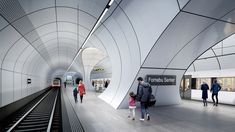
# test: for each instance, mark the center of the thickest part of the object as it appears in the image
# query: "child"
(132, 105)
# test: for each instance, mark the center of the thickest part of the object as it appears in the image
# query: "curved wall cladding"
(40, 39)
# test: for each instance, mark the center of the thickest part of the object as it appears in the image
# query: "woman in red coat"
(81, 90)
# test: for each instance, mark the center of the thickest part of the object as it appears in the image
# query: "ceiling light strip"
(89, 35)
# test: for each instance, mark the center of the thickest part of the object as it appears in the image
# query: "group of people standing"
(215, 88)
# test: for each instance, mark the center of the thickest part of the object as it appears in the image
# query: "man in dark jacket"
(144, 92)
(215, 88)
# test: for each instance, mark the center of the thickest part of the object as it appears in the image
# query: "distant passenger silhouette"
(204, 88)
(215, 88)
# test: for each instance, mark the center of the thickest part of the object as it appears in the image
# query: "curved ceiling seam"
(49, 33)
(210, 17)
(96, 30)
(17, 72)
(51, 8)
(135, 34)
(178, 4)
(196, 37)
(8, 50)
(53, 23)
(44, 43)
(36, 65)
(121, 29)
(18, 57)
(216, 58)
(12, 47)
(64, 22)
(155, 43)
(35, 12)
(67, 31)
(185, 5)
(205, 52)
(150, 51)
(120, 57)
(23, 37)
(58, 45)
(26, 60)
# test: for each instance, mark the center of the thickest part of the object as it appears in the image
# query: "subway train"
(56, 83)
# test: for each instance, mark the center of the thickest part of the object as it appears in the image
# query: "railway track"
(43, 115)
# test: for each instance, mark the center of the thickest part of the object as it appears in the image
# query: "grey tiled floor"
(190, 116)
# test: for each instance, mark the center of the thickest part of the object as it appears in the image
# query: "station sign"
(161, 79)
(98, 69)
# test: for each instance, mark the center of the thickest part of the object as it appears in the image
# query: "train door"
(185, 87)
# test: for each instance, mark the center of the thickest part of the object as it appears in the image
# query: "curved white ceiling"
(40, 38)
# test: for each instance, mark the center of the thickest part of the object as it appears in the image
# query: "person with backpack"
(144, 92)
(215, 88)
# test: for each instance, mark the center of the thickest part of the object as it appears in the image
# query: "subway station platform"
(190, 116)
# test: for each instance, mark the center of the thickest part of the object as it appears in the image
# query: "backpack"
(152, 100)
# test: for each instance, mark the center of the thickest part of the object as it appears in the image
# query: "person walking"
(144, 92)
(81, 90)
(215, 88)
(75, 93)
(132, 105)
(204, 88)
(64, 84)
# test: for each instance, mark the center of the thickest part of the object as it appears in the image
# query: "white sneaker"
(141, 119)
(148, 117)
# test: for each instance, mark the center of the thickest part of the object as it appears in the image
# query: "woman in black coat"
(204, 88)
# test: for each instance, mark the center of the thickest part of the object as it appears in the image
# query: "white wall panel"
(6, 43)
(210, 8)
(149, 27)
(208, 53)
(28, 62)
(70, 27)
(182, 3)
(22, 58)
(3, 23)
(94, 7)
(67, 14)
(228, 50)
(33, 5)
(227, 62)
(24, 85)
(206, 64)
(13, 53)
(43, 30)
(127, 65)
(181, 31)
(7, 87)
(113, 52)
(205, 40)
(17, 86)
(42, 17)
